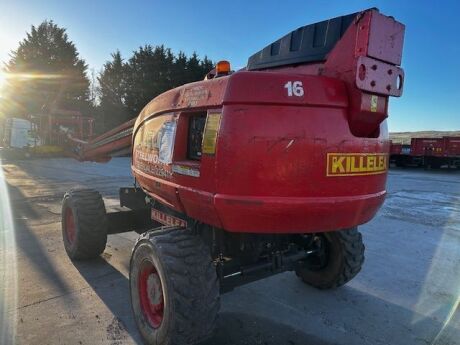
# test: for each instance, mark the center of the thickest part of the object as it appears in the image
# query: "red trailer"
(428, 147)
(427, 152)
(251, 173)
(452, 146)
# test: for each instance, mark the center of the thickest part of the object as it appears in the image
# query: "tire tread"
(352, 252)
(90, 213)
(187, 262)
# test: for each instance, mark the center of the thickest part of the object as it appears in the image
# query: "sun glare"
(2, 79)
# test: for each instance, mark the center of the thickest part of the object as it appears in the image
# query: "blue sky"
(233, 30)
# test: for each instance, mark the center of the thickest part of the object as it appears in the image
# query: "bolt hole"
(399, 82)
(374, 67)
(373, 83)
(389, 87)
(362, 72)
(390, 71)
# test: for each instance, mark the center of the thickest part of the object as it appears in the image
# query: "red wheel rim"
(151, 294)
(70, 226)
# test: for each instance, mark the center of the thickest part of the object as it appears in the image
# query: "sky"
(234, 30)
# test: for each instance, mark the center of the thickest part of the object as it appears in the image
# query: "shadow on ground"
(245, 329)
(112, 287)
(28, 241)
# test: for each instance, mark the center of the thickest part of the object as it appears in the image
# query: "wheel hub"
(318, 253)
(151, 295)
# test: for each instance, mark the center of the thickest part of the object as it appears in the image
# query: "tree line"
(46, 74)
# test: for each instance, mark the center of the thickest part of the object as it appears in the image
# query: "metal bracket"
(379, 77)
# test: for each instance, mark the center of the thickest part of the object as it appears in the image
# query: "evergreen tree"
(193, 71)
(112, 94)
(46, 73)
(149, 74)
(154, 70)
(126, 87)
(206, 65)
(179, 69)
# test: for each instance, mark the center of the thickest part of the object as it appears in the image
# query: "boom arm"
(113, 143)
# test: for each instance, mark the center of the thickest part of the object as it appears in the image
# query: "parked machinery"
(427, 152)
(250, 173)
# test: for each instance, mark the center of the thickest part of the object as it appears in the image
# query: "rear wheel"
(337, 259)
(84, 224)
(174, 287)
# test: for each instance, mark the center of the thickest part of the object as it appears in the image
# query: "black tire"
(342, 256)
(86, 209)
(190, 289)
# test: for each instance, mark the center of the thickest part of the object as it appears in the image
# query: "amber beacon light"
(223, 67)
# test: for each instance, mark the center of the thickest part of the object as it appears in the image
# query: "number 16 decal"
(294, 88)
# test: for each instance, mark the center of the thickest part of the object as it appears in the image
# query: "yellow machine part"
(47, 149)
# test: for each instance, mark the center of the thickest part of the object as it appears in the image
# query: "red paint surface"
(269, 172)
(368, 39)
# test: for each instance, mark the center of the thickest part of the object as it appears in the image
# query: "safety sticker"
(165, 138)
(374, 103)
(210, 133)
(192, 96)
(185, 170)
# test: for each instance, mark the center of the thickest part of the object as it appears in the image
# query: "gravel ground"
(407, 293)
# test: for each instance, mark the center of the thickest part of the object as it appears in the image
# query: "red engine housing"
(291, 149)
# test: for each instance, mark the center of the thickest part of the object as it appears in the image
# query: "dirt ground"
(407, 293)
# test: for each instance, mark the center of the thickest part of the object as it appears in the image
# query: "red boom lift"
(250, 173)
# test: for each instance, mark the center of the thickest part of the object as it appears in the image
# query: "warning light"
(223, 67)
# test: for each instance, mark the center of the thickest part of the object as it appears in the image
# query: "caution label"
(352, 164)
(210, 133)
(374, 103)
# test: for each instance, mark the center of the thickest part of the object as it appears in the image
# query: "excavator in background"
(247, 174)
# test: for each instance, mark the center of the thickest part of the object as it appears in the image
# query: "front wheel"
(174, 287)
(337, 258)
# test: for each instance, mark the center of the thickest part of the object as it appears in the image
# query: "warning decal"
(374, 103)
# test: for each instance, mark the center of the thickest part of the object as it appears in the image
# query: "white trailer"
(19, 134)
